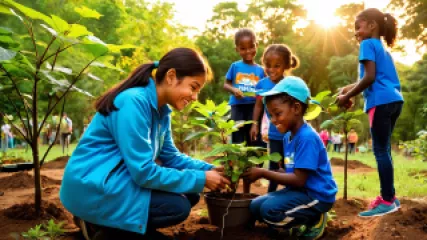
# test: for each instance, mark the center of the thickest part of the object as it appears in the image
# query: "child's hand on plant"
(253, 174)
(344, 101)
(237, 93)
(215, 181)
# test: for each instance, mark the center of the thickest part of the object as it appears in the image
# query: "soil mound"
(351, 164)
(27, 211)
(58, 163)
(24, 180)
(410, 223)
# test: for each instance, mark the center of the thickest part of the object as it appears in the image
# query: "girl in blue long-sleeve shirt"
(113, 180)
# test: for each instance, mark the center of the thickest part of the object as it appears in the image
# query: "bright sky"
(201, 11)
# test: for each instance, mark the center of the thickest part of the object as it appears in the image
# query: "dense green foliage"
(328, 56)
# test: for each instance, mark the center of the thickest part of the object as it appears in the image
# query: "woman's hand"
(215, 180)
(253, 174)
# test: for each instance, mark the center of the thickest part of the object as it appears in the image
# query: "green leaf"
(51, 30)
(6, 54)
(235, 176)
(5, 10)
(313, 111)
(6, 39)
(275, 157)
(29, 12)
(195, 135)
(87, 12)
(5, 31)
(327, 124)
(77, 30)
(59, 24)
(219, 161)
(116, 48)
(95, 46)
(320, 96)
(255, 160)
(358, 112)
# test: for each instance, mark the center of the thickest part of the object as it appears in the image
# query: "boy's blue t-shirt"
(386, 87)
(244, 77)
(265, 85)
(306, 151)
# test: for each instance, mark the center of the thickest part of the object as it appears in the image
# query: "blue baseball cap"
(293, 86)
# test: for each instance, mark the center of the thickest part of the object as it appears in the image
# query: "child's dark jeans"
(244, 112)
(383, 123)
(288, 208)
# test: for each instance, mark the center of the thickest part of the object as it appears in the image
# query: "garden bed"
(351, 164)
(409, 223)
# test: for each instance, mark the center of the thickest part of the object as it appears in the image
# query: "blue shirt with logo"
(386, 87)
(265, 85)
(306, 151)
(244, 77)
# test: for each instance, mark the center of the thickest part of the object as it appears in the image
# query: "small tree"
(343, 122)
(26, 74)
(236, 158)
(182, 127)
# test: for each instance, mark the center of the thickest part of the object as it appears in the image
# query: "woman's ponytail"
(140, 77)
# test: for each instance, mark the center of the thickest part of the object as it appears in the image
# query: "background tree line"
(328, 56)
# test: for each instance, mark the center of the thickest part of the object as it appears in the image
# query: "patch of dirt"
(415, 173)
(24, 180)
(27, 211)
(351, 164)
(408, 223)
(58, 163)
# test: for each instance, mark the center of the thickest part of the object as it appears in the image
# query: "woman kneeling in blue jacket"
(126, 174)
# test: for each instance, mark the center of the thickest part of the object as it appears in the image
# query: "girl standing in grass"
(278, 61)
(380, 85)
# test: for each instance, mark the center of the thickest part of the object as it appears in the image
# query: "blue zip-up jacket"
(109, 177)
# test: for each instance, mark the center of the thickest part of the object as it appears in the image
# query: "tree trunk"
(345, 161)
(35, 149)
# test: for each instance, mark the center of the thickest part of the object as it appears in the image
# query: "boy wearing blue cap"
(310, 188)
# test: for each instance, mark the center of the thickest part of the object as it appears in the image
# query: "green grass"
(367, 185)
(55, 152)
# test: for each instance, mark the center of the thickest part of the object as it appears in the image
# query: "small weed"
(34, 233)
(203, 213)
(53, 229)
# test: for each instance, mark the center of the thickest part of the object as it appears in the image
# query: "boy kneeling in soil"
(310, 188)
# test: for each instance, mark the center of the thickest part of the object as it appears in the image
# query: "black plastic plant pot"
(25, 166)
(16, 167)
(238, 212)
(9, 168)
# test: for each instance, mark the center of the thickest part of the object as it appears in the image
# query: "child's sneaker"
(396, 202)
(316, 232)
(379, 207)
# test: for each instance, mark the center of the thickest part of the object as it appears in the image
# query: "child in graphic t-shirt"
(310, 188)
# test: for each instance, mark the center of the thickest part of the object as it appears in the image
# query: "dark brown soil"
(351, 164)
(24, 180)
(27, 211)
(58, 163)
(409, 223)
